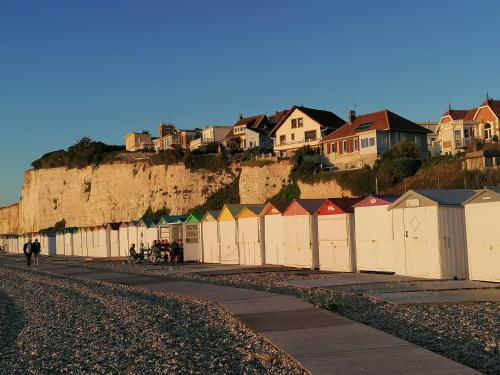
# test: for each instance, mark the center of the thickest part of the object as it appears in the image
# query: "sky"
(101, 69)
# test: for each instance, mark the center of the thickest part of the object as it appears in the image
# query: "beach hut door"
(415, 241)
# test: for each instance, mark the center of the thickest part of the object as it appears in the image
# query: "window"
(367, 142)
(356, 144)
(344, 147)
(310, 135)
(487, 131)
(458, 134)
(466, 133)
(282, 139)
(297, 122)
(293, 136)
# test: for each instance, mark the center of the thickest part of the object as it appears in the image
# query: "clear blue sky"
(103, 68)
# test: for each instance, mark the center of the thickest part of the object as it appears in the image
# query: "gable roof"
(345, 204)
(259, 123)
(381, 120)
(256, 209)
(494, 106)
(277, 116)
(233, 208)
(194, 217)
(213, 213)
(113, 226)
(444, 197)
(272, 207)
(377, 200)
(488, 194)
(172, 219)
(309, 205)
(326, 119)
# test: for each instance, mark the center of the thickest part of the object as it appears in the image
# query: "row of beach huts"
(441, 234)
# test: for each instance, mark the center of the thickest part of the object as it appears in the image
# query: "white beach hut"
(193, 238)
(60, 241)
(90, 241)
(152, 232)
(77, 242)
(210, 235)
(300, 232)
(103, 249)
(142, 228)
(336, 235)
(113, 239)
(228, 233)
(251, 235)
(48, 243)
(68, 240)
(132, 235)
(124, 244)
(482, 215)
(374, 234)
(429, 233)
(274, 245)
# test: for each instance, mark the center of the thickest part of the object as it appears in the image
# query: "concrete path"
(323, 342)
(444, 296)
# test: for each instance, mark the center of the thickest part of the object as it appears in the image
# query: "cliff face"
(9, 219)
(111, 193)
(123, 192)
(257, 184)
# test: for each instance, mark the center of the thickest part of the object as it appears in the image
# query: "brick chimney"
(351, 115)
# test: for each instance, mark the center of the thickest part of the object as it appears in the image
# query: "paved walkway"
(323, 342)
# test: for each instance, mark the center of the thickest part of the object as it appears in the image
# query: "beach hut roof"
(172, 219)
(113, 226)
(133, 223)
(310, 206)
(234, 209)
(71, 230)
(194, 217)
(252, 209)
(124, 224)
(338, 206)
(377, 200)
(142, 223)
(211, 213)
(488, 194)
(153, 223)
(444, 197)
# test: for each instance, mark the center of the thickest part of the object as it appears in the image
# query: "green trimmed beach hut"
(192, 238)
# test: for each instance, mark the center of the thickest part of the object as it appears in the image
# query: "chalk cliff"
(123, 192)
(9, 219)
(111, 193)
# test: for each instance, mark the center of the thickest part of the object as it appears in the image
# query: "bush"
(360, 182)
(210, 162)
(287, 193)
(256, 163)
(166, 157)
(83, 153)
(61, 224)
(252, 152)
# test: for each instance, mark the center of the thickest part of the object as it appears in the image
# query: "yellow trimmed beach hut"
(251, 235)
(228, 233)
(210, 236)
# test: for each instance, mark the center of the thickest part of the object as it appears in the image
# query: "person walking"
(36, 249)
(27, 252)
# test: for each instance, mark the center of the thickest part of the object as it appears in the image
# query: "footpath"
(322, 341)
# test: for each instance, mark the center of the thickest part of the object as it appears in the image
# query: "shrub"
(61, 224)
(83, 153)
(360, 182)
(256, 163)
(211, 162)
(166, 157)
(252, 152)
(287, 193)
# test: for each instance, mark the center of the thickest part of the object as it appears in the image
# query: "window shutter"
(328, 148)
(349, 145)
(339, 147)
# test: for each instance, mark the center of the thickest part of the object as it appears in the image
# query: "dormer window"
(297, 122)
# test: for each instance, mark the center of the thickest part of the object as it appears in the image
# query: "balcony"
(296, 143)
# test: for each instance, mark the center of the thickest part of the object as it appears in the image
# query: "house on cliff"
(249, 132)
(302, 126)
(364, 138)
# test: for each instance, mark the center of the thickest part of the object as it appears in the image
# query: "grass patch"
(256, 163)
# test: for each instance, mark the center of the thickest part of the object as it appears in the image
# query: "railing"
(296, 142)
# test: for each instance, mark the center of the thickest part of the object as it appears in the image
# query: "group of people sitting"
(170, 252)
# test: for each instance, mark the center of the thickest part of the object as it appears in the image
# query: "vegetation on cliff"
(83, 153)
(227, 194)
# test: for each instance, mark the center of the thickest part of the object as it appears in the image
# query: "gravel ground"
(57, 325)
(468, 333)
